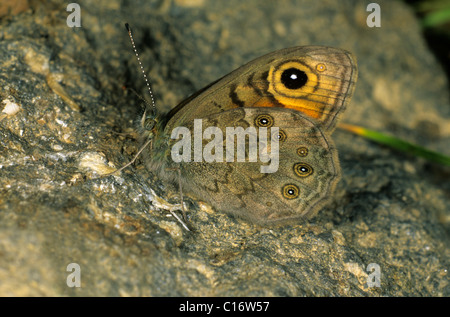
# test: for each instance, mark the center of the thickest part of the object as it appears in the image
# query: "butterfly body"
(300, 92)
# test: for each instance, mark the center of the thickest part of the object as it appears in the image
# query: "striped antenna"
(153, 105)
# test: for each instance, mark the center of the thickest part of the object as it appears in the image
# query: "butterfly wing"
(315, 80)
(307, 173)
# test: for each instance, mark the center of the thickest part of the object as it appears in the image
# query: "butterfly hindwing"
(307, 170)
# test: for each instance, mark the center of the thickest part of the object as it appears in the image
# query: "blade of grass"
(433, 19)
(397, 144)
(436, 12)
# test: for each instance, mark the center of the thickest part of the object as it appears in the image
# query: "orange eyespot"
(321, 67)
(264, 121)
(302, 151)
(281, 136)
(290, 191)
(303, 169)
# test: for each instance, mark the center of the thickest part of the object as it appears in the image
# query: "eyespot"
(321, 67)
(281, 136)
(264, 120)
(294, 78)
(302, 151)
(290, 191)
(303, 169)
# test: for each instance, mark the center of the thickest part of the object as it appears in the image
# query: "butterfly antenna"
(153, 105)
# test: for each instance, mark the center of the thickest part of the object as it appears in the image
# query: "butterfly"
(297, 94)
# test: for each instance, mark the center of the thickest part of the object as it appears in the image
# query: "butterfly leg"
(181, 195)
(149, 141)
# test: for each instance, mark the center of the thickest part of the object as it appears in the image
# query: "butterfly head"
(148, 124)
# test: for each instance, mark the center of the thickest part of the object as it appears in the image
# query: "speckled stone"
(68, 117)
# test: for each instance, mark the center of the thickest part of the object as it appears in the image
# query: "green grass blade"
(436, 18)
(397, 144)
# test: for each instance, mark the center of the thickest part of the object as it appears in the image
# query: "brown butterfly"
(297, 92)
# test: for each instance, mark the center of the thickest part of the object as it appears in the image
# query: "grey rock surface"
(65, 117)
